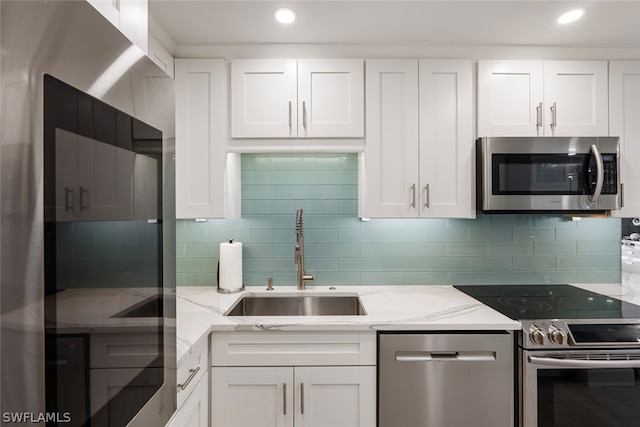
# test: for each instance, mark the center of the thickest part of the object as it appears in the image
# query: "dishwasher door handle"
(434, 356)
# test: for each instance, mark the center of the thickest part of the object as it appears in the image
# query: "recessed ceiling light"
(572, 15)
(285, 15)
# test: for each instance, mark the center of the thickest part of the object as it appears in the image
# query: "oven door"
(599, 388)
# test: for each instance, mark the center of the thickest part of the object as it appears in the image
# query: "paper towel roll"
(230, 268)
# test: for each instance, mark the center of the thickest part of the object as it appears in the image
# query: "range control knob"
(557, 335)
(537, 335)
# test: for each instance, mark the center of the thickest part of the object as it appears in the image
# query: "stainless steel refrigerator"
(71, 42)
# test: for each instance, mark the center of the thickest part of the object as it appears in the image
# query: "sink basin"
(303, 305)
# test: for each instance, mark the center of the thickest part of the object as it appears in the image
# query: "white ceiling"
(418, 22)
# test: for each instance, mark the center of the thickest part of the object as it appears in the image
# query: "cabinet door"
(195, 411)
(624, 96)
(330, 98)
(252, 397)
(391, 152)
(510, 97)
(201, 150)
(134, 21)
(263, 98)
(129, 16)
(105, 181)
(447, 155)
(575, 98)
(339, 396)
(109, 9)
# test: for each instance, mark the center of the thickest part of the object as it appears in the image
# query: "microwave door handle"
(600, 175)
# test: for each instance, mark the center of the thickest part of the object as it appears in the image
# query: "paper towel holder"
(226, 291)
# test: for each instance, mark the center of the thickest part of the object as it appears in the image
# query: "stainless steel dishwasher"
(445, 379)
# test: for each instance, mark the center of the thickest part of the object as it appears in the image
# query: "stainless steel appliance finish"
(299, 252)
(447, 379)
(560, 174)
(578, 354)
(587, 388)
(298, 306)
(74, 43)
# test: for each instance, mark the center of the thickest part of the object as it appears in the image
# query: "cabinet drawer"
(192, 369)
(293, 348)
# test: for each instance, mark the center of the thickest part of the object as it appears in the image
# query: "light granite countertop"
(200, 310)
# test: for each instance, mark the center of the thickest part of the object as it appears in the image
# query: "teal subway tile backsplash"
(341, 249)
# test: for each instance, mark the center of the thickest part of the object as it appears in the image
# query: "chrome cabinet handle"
(192, 374)
(426, 196)
(553, 115)
(539, 115)
(413, 196)
(68, 196)
(83, 191)
(290, 123)
(622, 195)
(284, 398)
(302, 398)
(304, 115)
(600, 174)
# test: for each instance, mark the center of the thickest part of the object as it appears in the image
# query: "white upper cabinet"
(391, 152)
(542, 98)
(202, 166)
(576, 98)
(131, 17)
(330, 98)
(509, 98)
(624, 97)
(288, 98)
(447, 146)
(264, 98)
(418, 159)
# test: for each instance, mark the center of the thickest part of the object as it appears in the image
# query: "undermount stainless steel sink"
(303, 305)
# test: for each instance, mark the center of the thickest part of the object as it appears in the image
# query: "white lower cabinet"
(193, 388)
(330, 396)
(268, 379)
(195, 410)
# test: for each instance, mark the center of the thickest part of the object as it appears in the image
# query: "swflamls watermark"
(36, 417)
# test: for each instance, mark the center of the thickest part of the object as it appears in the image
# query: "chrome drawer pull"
(284, 398)
(192, 374)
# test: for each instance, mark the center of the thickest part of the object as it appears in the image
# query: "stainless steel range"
(578, 354)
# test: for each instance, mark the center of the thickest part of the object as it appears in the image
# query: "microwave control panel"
(610, 184)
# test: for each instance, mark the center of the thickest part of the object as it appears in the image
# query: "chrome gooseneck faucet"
(299, 252)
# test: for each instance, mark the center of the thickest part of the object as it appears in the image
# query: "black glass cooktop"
(528, 302)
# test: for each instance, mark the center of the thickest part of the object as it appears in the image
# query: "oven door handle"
(599, 171)
(577, 363)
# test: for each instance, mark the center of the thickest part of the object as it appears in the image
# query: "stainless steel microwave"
(548, 174)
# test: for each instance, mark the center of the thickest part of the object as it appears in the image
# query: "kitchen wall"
(342, 249)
